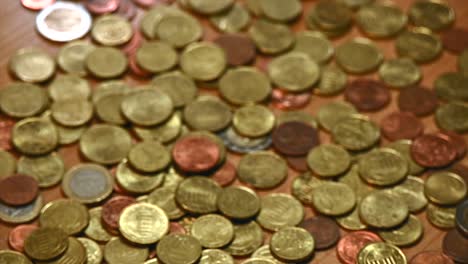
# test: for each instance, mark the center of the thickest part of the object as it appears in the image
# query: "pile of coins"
(166, 172)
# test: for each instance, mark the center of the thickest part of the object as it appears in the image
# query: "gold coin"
(118, 251)
(13, 257)
(46, 243)
(330, 114)
(412, 192)
(247, 238)
(179, 249)
(353, 179)
(48, 169)
(435, 15)
(404, 147)
(233, 20)
(303, 187)
(292, 244)
(72, 113)
(253, 120)
(438, 183)
(151, 19)
(355, 132)
(330, 15)
(294, 71)
(212, 230)
(279, 210)
(95, 230)
(198, 195)
(244, 85)
(380, 251)
(105, 144)
(271, 37)
(32, 65)
(34, 136)
(382, 209)
(262, 169)
(7, 164)
(381, 20)
(72, 56)
(463, 62)
(441, 217)
(359, 56)
(298, 116)
(178, 86)
(333, 198)
(280, 10)
(149, 156)
(164, 197)
(418, 44)
(69, 215)
(75, 253)
(215, 256)
(108, 108)
(264, 252)
(178, 29)
(328, 160)
(452, 117)
(406, 234)
(315, 44)
(164, 133)
(451, 86)
(203, 61)
(20, 214)
(111, 30)
(332, 81)
(93, 251)
(400, 72)
(68, 135)
(21, 100)
(156, 56)
(383, 167)
(106, 88)
(238, 202)
(106, 62)
(69, 87)
(254, 7)
(143, 223)
(210, 6)
(211, 115)
(351, 221)
(135, 182)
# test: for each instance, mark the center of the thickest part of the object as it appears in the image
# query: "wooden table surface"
(17, 30)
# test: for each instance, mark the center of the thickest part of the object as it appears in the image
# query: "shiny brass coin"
(152, 17)
(244, 85)
(178, 86)
(382, 209)
(164, 197)
(69, 87)
(213, 231)
(108, 108)
(279, 10)
(203, 61)
(72, 56)
(436, 186)
(21, 100)
(418, 44)
(298, 116)
(279, 210)
(381, 20)
(32, 65)
(69, 215)
(328, 160)
(358, 56)
(253, 120)
(271, 37)
(46, 243)
(332, 81)
(198, 195)
(118, 251)
(238, 202)
(450, 86)
(105, 144)
(156, 56)
(179, 249)
(355, 132)
(135, 182)
(435, 15)
(75, 253)
(262, 169)
(330, 114)
(72, 113)
(7, 164)
(400, 72)
(383, 167)
(403, 147)
(93, 251)
(412, 192)
(95, 229)
(111, 30)
(247, 238)
(463, 62)
(106, 62)
(211, 115)
(264, 252)
(143, 223)
(34, 136)
(452, 117)
(149, 156)
(315, 44)
(381, 252)
(294, 71)
(292, 244)
(164, 133)
(333, 198)
(106, 88)
(233, 20)
(303, 187)
(178, 29)
(441, 217)
(10, 256)
(208, 7)
(406, 234)
(20, 214)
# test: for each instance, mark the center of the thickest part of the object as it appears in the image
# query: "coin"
(210, 256)
(164, 197)
(356, 132)
(298, 163)
(46, 243)
(406, 234)
(156, 57)
(63, 22)
(253, 120)
(383, 167)
(20, 214)
(303, 187)
(136, 182)
(149, 156)
(315, 45)
(118, 251)
(329, 114)
(127, 9)
(232, 20)
(37, 4)
(351, 244)
(240, 144)
(111, 30)
(203, 61)
(244, 85)
(18, 235)
(262, 169)
(218, 112)
(238, 202)
(295, 138)
(333, 198)
(198, 195)
(264, 252)
(22, 100)
(102, 6)
(418, 44)
(95, 229)
(381, 20)
(247, 238)
(454, 245)
(431, 257)
(75, 251)
(168, 28)
(441, 217)
(457, 140)
(10, 256)
(292, 244)
(462, 217)
(431, 14)
(383, 209)
(358, 56)
(280, 210)
(401, 125)
(112, 209)
(69, 215)
(225, 175)
(106, 62)
(438, 195)
(18, 190)
(328, 160)
(93, 251)
(367, 94)
(324, 230)
(432, 151)
(70, 86)
(32, 65)
(426, 100)
(401, 72)
(451, 117)
(381, 251)
(212, 230)
(412, 192)
(34, 136)
(207, 154)
(6, 126)
(72, 113)
(271, 37)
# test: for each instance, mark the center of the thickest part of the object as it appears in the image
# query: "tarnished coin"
(239, 49)
(18, 190)
(179, 249)
(401, 125)
(367, 94)
(35, 136)
(324, 230)
(432, 151)
(196, 153)
(417, 100)
(295, 138)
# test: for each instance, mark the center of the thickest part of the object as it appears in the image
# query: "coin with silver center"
(240, 144)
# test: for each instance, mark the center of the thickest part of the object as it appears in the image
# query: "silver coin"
(240, 144)
(63, 22)
(20, 214)
(462, 217)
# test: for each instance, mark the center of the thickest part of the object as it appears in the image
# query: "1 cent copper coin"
(284, 100)
(102, 6)
(6, 126)
(239, 49)
(112, 209)
(298, 163)
(401, 125)
(349, 246)
(431, 257)
(226, 174)
(433, 151)
(36, 4)
(457, 140)
(176, 228)
(324, 230)
(294, 138)
(455, 39)
(417, 100)
(195, 154)
(455, 246)
(367, 95)
(18, 190)
(18, 234)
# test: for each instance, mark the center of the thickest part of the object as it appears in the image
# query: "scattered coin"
(432, 151)
(367, 95)
(351, 244)
(324, 230)
(18, 235)
(401, 125)
(18, 190)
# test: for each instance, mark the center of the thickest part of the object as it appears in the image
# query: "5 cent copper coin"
(239, 49)
(298, 163)
(457, 140)
(417, 100)
(294, 138)
(349, 246)
(18, 235)
(455, 246)
(226, 174)
(433, 151)
(18, 190)
(367, 95)
(195, 154)
(112, 209)
(401, 125)
(324, 230)
(431, 257)
(284, 100)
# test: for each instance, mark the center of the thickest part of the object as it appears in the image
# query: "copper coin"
(131, 47)
(6, 126)
(294, 138)
(195, 154)
(150, 3)
(349, 246)
(18, 190)
(112, 209)
(401, 125)
(176, 228)
(367, 95)
(239, 49)
(433, 151)
(458, 141)
(298, 163)
(289, 101)
(462, 218)
(455, 246)
(455, 39)
(136, 69)
(324, 230)
(431, 257)
(226, 174)
(127, 10)
(102, 6)
(18, 234)
(417, 100)
(36, 4)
